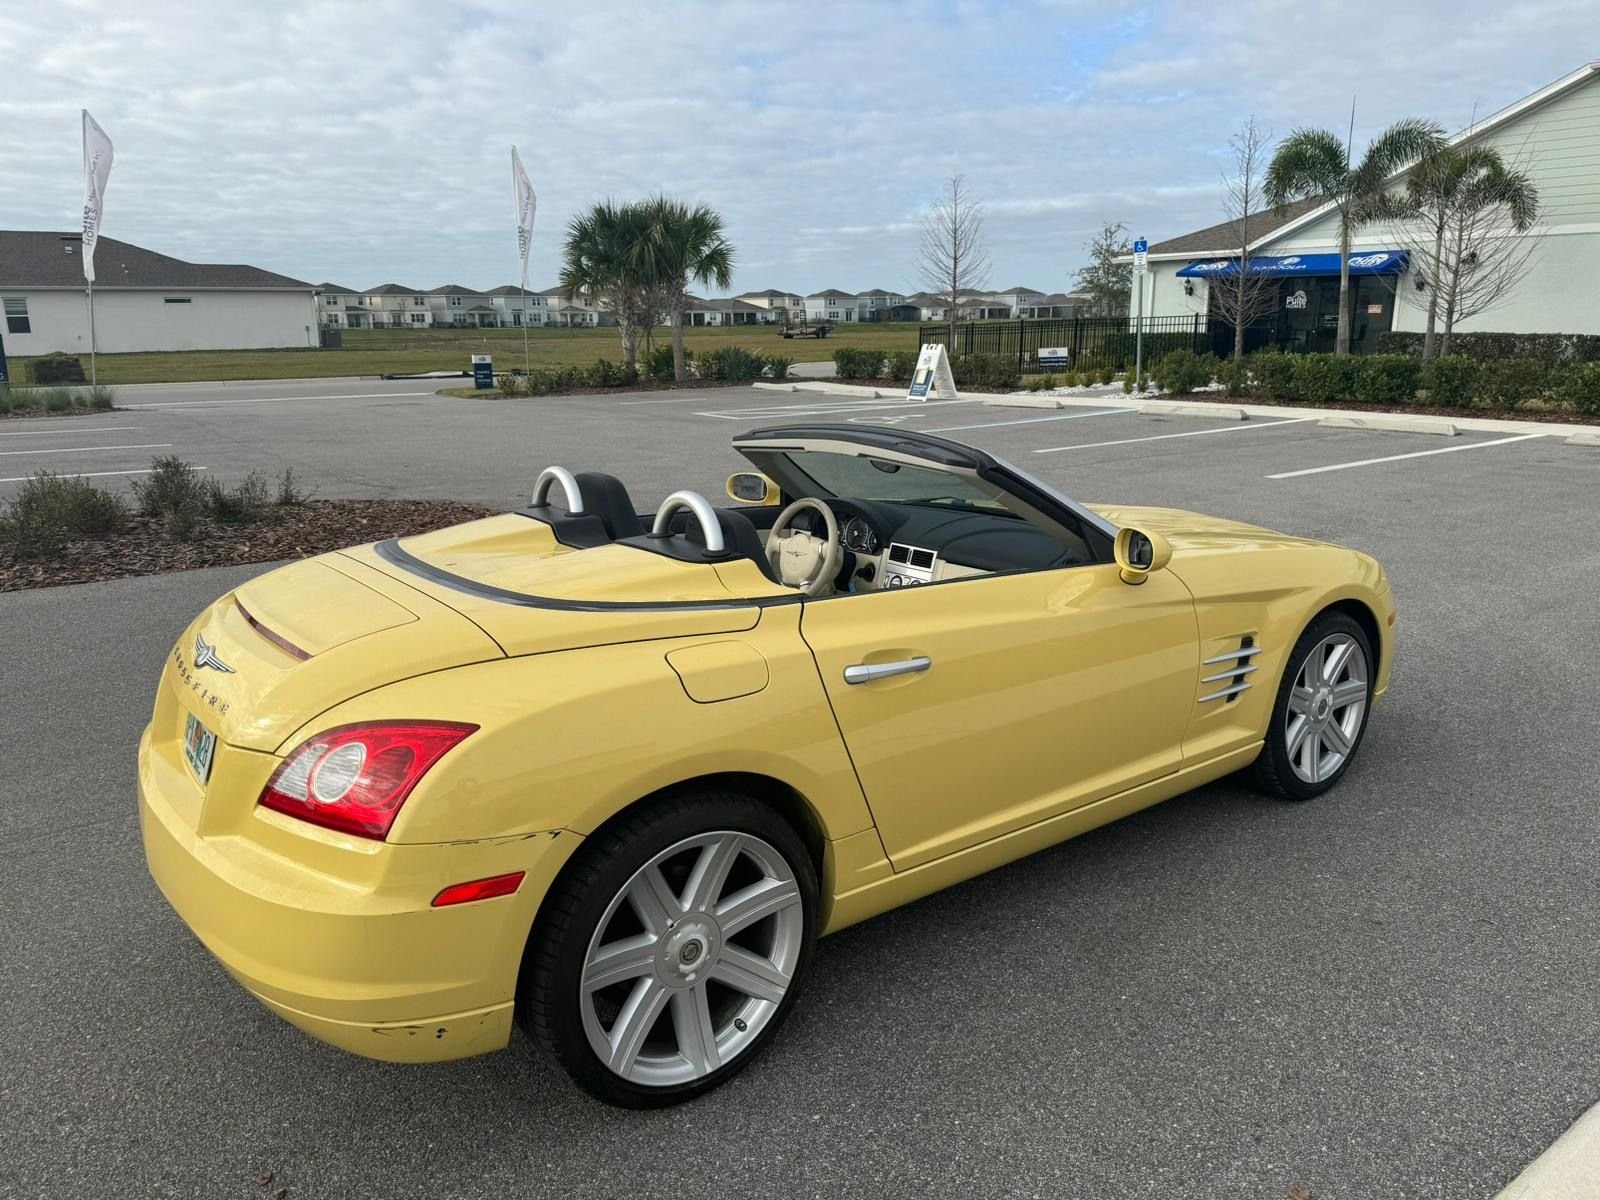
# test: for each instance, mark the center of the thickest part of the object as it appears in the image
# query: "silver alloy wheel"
(1326, 707)
(692, 958)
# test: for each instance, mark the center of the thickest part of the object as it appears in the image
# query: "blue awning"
(1364, 262)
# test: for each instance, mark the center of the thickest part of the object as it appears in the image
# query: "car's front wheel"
(1320, 714)
(672, 948)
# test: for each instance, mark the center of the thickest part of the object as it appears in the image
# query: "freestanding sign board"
(482, 371)
(932, 376)
(1054, 358)
(1141, 256)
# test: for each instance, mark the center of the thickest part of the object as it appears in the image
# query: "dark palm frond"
(1309, 162)
(1410, 140)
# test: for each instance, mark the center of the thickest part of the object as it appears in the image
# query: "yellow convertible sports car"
(609, 776)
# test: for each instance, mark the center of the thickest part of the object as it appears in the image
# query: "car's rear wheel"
(672, 949)
(1320, 714)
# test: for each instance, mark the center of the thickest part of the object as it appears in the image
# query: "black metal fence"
(1091, 343)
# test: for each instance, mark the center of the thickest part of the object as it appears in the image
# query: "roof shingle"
(47, 259)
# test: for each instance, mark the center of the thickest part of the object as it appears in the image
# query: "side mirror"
(1139, 553)
(747, 487)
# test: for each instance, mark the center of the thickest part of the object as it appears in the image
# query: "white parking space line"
(277, 399)
(1099, 412)
(1388, 458)
(1241, 427)
(88, 449)
(836, 409)
(60, 429)
(90, 474)
(675, 400)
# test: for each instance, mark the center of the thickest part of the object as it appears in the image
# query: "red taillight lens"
(480, 889)
(356, 777)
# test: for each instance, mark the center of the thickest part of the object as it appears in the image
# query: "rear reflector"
(356, 777)
(479, 889)
(277, 639)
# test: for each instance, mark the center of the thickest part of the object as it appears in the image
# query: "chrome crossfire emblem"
(205, 655)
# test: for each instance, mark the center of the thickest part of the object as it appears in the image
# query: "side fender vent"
(1224, 676)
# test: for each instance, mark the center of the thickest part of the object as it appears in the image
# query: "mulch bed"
(142, 546)
(23, 414)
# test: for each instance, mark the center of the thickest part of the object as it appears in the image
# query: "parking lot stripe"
(1388, 458)
(278, 399)
(1241, 427)
(1098, 412)
(73, 429)
(88, 449)
(89, 474)
(836, 409)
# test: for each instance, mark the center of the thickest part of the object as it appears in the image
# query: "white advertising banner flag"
(933, 376)
(96, 170)
(527, 202)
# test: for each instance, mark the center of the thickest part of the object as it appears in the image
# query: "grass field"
(403, 351)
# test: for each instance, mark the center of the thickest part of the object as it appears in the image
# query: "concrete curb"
(1567, 1170)
(1220, 412)
(1025, 402)
(1392, 424)
(1585, 437)
(778, 387)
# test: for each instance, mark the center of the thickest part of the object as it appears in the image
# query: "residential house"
(831, 305)
(395, 306)
(518, 308)
(580, 311)
(736, 312)
(142, 300)
(879, 304)
(462, 308)
(970, 306)
(1056, 304)
(341, 307)
(781, 307)
(1017, 298)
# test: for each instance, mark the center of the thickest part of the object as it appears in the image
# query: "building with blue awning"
(1552, 135)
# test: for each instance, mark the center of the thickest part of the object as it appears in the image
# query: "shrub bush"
(731, 364)
(1449, 380)
(858, 364)
(511, 385)
(241, 505)
(1552, 349)
(6, 401)
(1108, 376)
(56, 368)
(1234, 375)
(1324, 378)
(777, 365)
(1038, 383)
(50, 510)
(902, 365)
(1127, 384)
(57, 399)
(1387, 379)
(1120, 350)
(1180, 372)
(986, 372)
(1510, 383)
(172, 483)
(101, 397)
(1580, 388)
(605, 373)
(1271, 373)
(658, 363)
(289, 492)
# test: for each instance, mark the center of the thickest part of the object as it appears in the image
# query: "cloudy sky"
(367, 143)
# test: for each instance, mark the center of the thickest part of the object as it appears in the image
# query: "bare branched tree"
(953, 258)
(1470, 245)
(1246, 294)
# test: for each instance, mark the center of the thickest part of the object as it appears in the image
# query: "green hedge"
(1388, 379)
(986, 372)
(1551, 349)
(1182, 371)
(1119, 349)
(858, 364)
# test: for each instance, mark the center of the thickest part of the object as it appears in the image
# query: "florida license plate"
(199, 746)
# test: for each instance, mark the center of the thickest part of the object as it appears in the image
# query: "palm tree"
(1315, 163)
(1450, 190)
(684, 244)
(605, 256)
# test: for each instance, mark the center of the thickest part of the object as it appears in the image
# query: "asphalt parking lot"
(1393, 991)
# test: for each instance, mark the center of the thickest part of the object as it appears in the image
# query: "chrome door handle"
(867, 672)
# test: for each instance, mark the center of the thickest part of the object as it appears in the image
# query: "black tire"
(1272, 772)
(549, 1000)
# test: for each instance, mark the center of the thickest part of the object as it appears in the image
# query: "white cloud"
(366, 144)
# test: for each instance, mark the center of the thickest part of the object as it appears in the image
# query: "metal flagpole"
(94, 378)
(527, 366)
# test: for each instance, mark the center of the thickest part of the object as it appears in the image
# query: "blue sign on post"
(482, 371)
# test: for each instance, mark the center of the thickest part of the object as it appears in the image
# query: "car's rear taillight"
(356, 777)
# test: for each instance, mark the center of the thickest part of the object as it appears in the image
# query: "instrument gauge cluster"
(857, 536)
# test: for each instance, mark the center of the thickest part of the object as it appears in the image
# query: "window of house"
(459, 319)
(175, 299)
(330, 300)
(455, 301)
(516, 318)
(419, 318)
(419, 301)
(16, 309)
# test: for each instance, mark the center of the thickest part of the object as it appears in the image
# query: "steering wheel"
(803, 560)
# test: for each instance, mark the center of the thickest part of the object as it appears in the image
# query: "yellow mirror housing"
(1140, 552)
(749, 487)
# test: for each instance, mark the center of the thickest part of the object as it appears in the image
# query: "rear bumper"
(350, 949)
